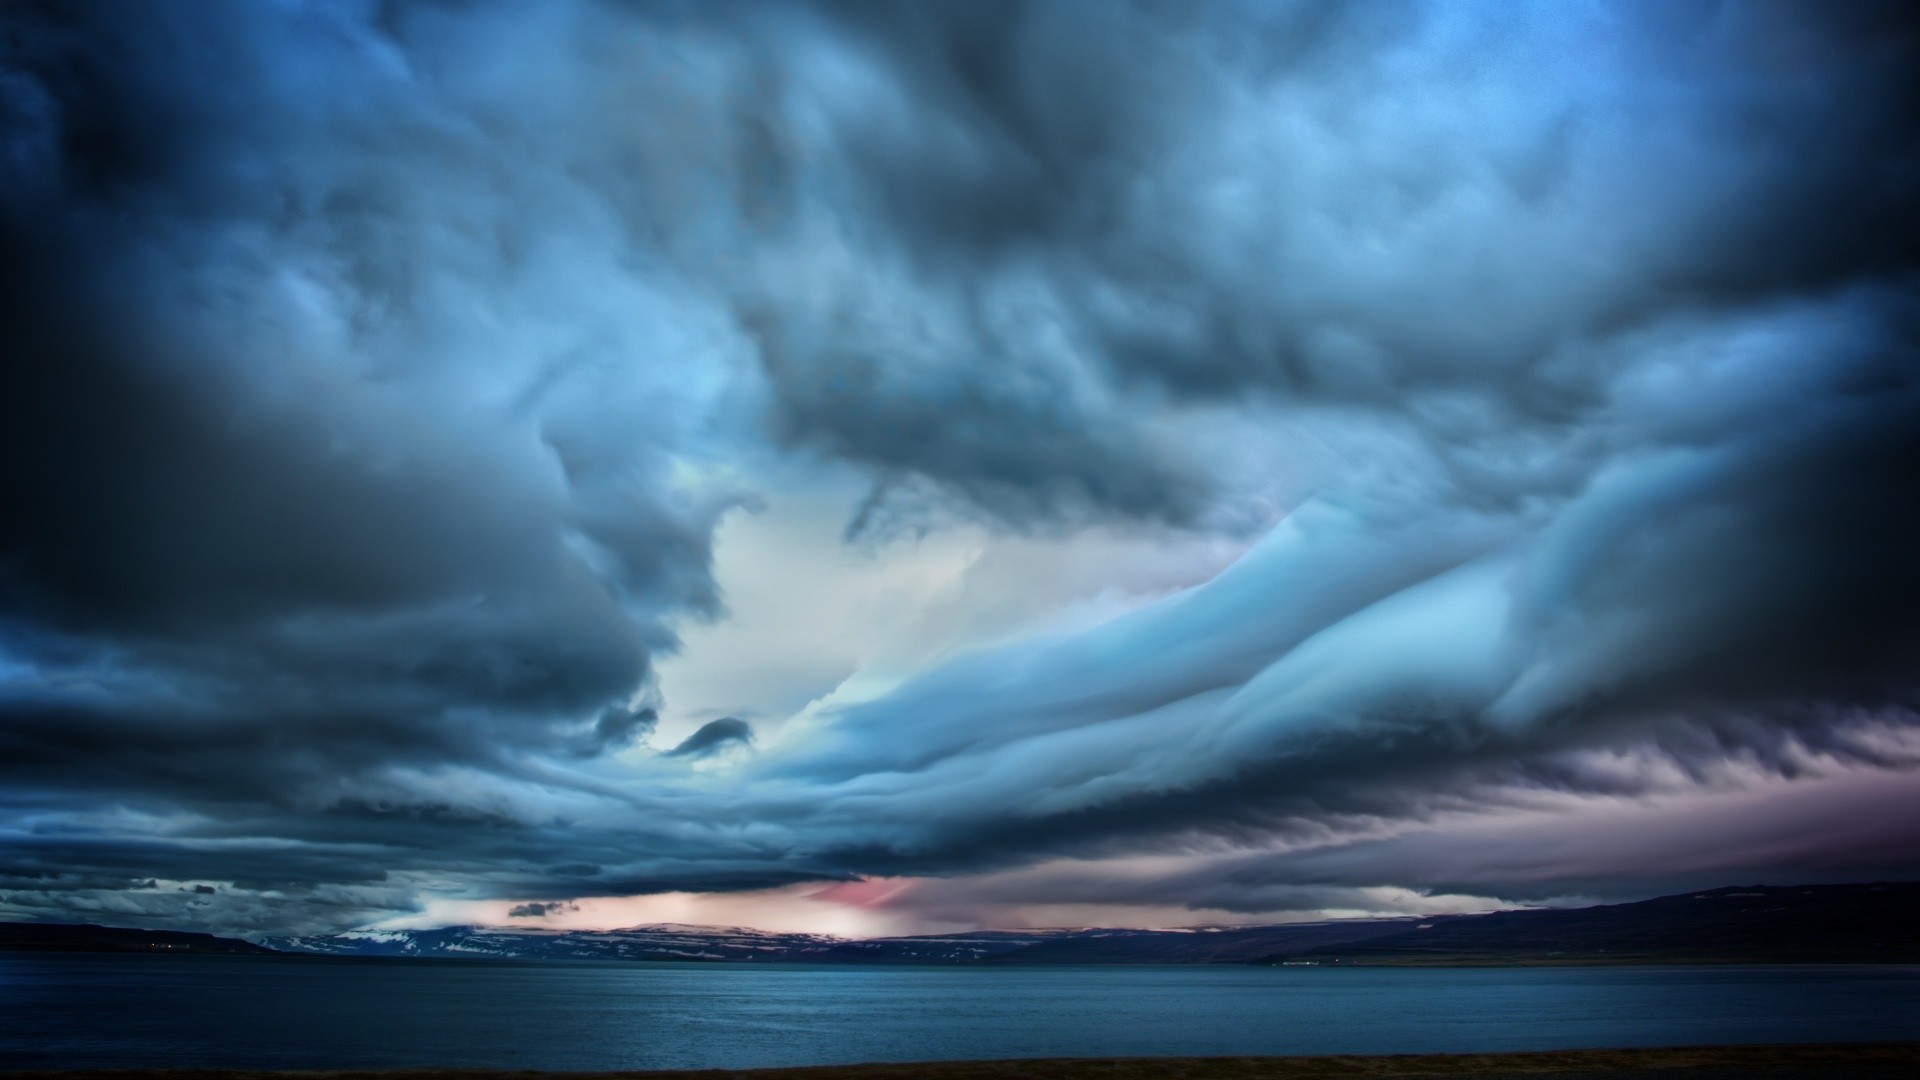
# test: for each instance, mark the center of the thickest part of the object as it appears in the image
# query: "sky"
(883, 468)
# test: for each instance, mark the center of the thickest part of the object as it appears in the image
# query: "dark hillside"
(66, 937)
(1753, 924)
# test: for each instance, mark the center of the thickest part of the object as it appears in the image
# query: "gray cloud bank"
(380, 373)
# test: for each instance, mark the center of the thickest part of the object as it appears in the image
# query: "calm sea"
(132, 1011)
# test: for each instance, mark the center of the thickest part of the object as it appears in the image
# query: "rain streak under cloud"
(881, 466)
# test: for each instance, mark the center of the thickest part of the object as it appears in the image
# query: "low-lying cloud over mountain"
(384, 378)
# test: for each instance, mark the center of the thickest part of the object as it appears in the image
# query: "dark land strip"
(1876, 1061)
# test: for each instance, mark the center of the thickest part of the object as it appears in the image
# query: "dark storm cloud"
(1644, 438)
(1672, 835)
(1853, 828)
(378, 375)
(1263, 200)
(714, 736)
(245, 479)
(539, 910)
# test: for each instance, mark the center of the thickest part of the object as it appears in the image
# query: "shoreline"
(1439, 962)
(1840, 1061)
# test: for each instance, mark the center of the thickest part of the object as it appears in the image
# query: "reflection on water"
(136, 1010)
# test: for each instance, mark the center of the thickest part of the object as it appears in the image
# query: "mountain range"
(1743, 924)
(75, 937)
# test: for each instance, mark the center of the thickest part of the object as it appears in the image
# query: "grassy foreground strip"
(1868, 1060)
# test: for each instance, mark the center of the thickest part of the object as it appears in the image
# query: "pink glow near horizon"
(1728, 833)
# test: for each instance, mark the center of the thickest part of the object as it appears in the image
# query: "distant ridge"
(71, 937)
(1741, 924)
(1834, 924)
(659, 941)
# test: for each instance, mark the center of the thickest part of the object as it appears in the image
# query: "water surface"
(107, 1011)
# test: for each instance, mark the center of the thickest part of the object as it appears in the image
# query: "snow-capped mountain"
(1865, 923)
(675, 941)
(656, 941)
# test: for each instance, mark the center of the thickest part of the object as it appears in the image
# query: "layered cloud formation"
(381, 374)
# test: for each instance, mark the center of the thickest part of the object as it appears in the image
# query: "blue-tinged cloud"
(380, 374)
